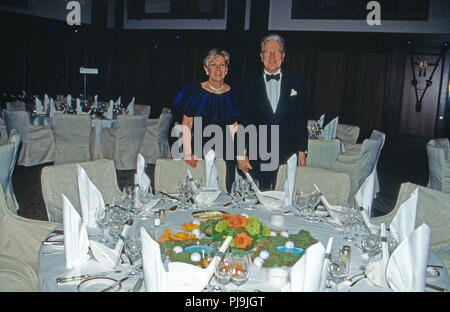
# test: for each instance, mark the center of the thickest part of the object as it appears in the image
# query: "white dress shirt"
(273, 89)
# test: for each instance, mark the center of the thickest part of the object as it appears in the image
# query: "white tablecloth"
(96, 123)
(53, 266)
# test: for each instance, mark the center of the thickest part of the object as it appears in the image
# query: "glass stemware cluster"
(234, 267)
(186, 192)
(243, 193)
(305, 204)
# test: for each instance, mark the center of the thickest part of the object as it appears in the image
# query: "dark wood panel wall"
(359, 77)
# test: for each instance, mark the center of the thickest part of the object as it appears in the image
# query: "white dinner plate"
(97, 284)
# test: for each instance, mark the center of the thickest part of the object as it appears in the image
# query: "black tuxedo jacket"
(290, 116)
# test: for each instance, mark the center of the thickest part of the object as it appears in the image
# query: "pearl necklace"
(215, 89)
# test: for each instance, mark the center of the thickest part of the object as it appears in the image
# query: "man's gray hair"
(273, 37)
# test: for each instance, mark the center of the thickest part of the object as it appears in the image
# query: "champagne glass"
(240, 269)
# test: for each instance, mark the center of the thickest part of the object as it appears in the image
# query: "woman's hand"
(301, 159)
(191, 160)
(244, 164)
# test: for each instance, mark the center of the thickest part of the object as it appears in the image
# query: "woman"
(212, 100)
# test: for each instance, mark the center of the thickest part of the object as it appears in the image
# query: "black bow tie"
(270, 77)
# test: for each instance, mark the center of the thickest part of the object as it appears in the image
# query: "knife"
(435, 287)
(62, 280)
(115, 284)
(170, 196)
(53, 243)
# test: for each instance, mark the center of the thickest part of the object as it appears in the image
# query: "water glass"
(240, 269)
(104, 219)
(371, 245)
(223, 274)
(133, 251)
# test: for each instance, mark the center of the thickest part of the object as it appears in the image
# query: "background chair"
(16, 276)
(438, 153)
(16, 106)
(360, 161)
(73, 135)
(62, 179)
(322, 153)
(169, 171)
(38, 144)
(123, 143)
(156, 139)
(3, 132)
(140, 109)
(335, 186)
(347, 133)
(21, 238)
(433, 209)
(8, 158)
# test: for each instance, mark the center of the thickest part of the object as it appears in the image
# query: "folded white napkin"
(321, 120)
(306, 273)
(376, 270)
(130, 107)
(46, 103)
(331, 209)
(288, 188)
(326, 264)
(119, 101)
(404, 222)
(271, 200)
(39, 107)
(52, 107)
(191, 181)
(107, 256)
(181, 276)
(211, 170)
(364, 195)
(69, 100)
(110, 112)
(141, 177)
(76, 241)
(79, 108)
(207, 195)
(96, 100)
(91, 198)
(407, 266)
(329, 131)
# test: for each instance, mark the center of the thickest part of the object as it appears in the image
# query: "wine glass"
(249, 193)
(182, 188)
(223, 273)
(347, 222)
(128, 195)
(104, 220)
(240, 269)
(371, 245)
(338, 271)
(133, 251)
(300, 202)
(236, 193)
(312, 199)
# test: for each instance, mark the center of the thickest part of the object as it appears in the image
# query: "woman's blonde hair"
(213, 54)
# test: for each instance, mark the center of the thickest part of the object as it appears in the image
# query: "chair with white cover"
(140, 109)
(123, 143)
(62, 179)
(335, 186)
(38, 144)
(169, 171)
(438, 152)
(20, 237)
(322, 153)
(16, 275)
(433, 209)
(360, 161)
(8, 159)
(3, 132)
(156, 139)
(347, 133)
(16, 106)
(73, 135)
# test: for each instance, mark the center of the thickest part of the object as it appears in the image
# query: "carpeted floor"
(394, 168)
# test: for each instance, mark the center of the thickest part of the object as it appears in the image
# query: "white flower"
(264, 254)
(289, 244)
(293, 92)
(178, 249)
(195, 257)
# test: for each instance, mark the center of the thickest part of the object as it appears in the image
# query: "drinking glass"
(300, 202)
(104, 220)
(236, 193)
(312, 200)
(183, 188)
(133, 251)
(249, 193)
(347, 222)
(338, 271)
(240, 269)
(371, 245)
(223, 274)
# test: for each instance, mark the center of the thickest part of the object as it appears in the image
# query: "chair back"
(19, 120)
(438, 153)
(348, 133)
(62, 179)
(72, 134)
(335, 186)
(165, 121)
(140, 109)
(169, 171)
(130, 133)
(16, 276)
(16, 106)
(8, 159)
(322, 153)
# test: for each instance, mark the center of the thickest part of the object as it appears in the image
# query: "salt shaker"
(162, 216)
(345, 255)
(157, 219)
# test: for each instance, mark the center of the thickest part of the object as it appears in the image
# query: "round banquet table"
(97, 123)
(52, 266)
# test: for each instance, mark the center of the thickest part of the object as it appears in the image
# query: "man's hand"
(244, 164)
(301, 159)
(191, 160)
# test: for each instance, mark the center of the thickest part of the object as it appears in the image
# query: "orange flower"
(242, 240)
(188, 227)
(237, 221)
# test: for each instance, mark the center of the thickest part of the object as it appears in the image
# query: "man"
(273, 98)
